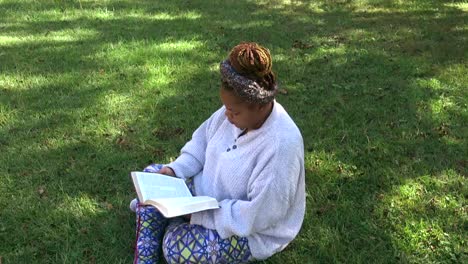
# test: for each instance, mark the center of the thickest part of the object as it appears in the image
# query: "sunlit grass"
(438, 232)
(90, 90)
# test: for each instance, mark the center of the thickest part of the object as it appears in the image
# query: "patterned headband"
(244, 87)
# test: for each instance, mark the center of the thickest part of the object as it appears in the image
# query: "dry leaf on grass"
(283, 91)
(42, 191)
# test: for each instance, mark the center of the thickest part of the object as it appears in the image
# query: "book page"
(154, 186)
(171, 207)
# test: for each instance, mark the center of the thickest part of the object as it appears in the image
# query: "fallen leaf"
(122, 142)
(283, 91)
(301, 45)
(443, 129)
(178, 131)
(340, 168)
(41, 191)
(84, 230)
(324, 209)
(107, 205)
(168, 132)
(158, 152)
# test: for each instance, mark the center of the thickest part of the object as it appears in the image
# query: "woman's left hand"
(187, 217)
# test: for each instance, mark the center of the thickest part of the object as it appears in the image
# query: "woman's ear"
(256, 107)
(263, 106)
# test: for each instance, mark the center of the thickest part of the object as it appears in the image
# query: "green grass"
(91, 90)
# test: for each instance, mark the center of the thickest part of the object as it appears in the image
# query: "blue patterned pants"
(180, 242)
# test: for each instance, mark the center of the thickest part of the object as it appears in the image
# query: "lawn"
(91, 90)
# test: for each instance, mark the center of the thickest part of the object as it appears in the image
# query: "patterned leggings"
(182, 242)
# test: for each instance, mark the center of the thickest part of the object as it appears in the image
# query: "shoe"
(133, 205)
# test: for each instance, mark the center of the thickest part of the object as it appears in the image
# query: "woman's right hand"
(166, 171)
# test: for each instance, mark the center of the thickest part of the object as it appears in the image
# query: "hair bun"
(251, 59)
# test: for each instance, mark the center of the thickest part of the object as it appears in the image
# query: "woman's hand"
(166, 171)
(187, 217)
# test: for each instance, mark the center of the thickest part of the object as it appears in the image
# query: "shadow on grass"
(360, 87)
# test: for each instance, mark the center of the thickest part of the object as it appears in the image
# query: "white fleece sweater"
(258, 179)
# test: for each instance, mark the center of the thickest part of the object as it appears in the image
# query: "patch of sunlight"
(441, 104)
(159, 63)
(190, 15)
(421, 235)
(214, 67)
(463, 6)
(329, 166)
(361, 35)
(103, 13)
(144, 51)
(431, 83)
(409, 193)
(291, 4)
(418, 194)
(425, 212)
(253, 24)
(159, 76)
(332, 51)
(6, 114)
(116, 102)
(456, 75)
(80, 206)
(63, 36)
(460, 29)
(179, 46)
(278, 57)
(66, 14)
(110, 13)
(22, 81)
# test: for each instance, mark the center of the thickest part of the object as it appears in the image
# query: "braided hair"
(247, 72)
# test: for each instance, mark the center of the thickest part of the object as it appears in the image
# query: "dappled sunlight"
(154, 65)
(440, 105)
(461, 5)
(107, 14)
(455, 76)
(425, 215)
(359, 35)
(178, 46)
(250, 24)
(79, 206)
(189, 15)
(50, 37)
(329, 168)
(20, 81)
(90, 90)
(143, 52)
(443, 101)
(288, 6)
(7, 114)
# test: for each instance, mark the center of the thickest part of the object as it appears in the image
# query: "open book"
(170, 195)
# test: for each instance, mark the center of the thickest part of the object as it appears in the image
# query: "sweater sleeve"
(271, 191)
(192, 156)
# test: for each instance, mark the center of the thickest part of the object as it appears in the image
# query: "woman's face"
(241, 114)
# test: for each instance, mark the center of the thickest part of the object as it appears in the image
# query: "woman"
(249, 155)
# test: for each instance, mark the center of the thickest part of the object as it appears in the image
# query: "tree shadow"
(356, 82)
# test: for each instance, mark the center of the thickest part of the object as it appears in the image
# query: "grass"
(90, 90)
